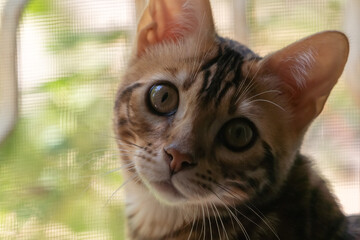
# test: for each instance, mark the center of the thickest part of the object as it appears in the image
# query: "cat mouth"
(168, 189)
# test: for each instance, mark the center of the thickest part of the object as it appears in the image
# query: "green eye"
(238, 134)
(164, 98)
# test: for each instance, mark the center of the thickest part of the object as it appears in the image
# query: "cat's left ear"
(308, 70)
(173, 20)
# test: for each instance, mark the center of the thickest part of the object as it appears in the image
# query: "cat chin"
(167, 189)
(165, 192)
(168, 194)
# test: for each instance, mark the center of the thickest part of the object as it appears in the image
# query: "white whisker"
(234, 216)
(203, 228)
(127, 167)
(128, 144)
(268, 101)
(191, 230)
(262, 93)
(263, 218)
(216, 221)
(118, 189)
(249, 86)
(208, 217)
(243, 82)
(221, 222)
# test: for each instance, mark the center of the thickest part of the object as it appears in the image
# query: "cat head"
(200, 118)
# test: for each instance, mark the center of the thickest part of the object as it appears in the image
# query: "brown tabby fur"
(269, 191)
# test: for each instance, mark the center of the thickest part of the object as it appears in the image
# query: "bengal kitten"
(210, 132)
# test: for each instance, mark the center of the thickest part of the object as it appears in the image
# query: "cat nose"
(179, 161)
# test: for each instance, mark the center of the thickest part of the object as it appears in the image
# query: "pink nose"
(179, 161)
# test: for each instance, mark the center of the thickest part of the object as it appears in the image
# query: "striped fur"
(268, 191)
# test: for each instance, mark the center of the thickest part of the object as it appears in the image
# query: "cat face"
(204, 119)
(205, 127)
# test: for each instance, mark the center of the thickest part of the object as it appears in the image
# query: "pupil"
(238, 133)
(164, 97)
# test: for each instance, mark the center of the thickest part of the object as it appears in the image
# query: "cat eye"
(163, 98)
(238, 134)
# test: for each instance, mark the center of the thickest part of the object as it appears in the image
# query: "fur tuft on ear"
(300, 66)
(308, 70)
(173, 20)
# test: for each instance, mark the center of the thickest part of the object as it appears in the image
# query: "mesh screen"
(59, 169)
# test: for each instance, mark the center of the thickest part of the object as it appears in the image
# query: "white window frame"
(8, 65)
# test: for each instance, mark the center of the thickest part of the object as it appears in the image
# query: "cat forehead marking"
(220, 69)
(220, 74)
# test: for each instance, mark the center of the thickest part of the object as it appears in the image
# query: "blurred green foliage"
(274, 24)
(38, 8)
(53, 167)
(70, 40)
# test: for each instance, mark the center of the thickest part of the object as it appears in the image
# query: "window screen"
(59, 169)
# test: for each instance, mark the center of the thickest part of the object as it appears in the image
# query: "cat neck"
(148, 218)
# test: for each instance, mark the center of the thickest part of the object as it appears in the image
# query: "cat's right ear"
(173, 20)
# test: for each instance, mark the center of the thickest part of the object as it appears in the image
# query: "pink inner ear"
(165, 20)
(173, 19)
(177, 30)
